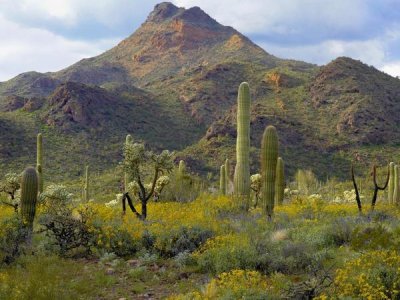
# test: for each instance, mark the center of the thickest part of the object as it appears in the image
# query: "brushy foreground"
(206, 249)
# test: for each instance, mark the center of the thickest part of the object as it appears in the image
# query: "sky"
(48, 35)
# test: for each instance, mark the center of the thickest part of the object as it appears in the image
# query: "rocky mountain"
(173, 84)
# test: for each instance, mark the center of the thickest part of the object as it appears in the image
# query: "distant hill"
(173, 84)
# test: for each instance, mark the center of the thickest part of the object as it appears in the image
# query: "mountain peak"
(167, 11)
(162, 12)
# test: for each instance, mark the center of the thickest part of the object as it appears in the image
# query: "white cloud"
(286, 16)
(24, 49)
(47, 35)
(392, 68)
(71, 13)
(370, 51)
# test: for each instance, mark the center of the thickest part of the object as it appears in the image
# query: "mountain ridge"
(180, 69)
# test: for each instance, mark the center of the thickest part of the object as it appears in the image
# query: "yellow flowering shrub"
(6, 212)
(374, 275)
(226, 252)
(111, 227)
(236, 284)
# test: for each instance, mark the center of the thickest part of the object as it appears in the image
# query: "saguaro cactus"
(396, 192)
(39, 160)
(182, 169)
(29, 193)
(86, 187)
(128, 140)
(242, 169)
(222, 181)
(227, 175)
(269, 159)
(391, 183)
(280, 181)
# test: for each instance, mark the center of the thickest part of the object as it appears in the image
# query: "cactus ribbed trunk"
(182, 169)
(280, 181)
(269, 158)
(227, 176)
(86, 188)
(222, 181)
(128, 140)
(242, 169)
(391, 183)
(29, 193)
(396, 191)
(39, 160)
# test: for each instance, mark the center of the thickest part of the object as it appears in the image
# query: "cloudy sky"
(48, 35)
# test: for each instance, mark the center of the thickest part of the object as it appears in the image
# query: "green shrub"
(184, 239)
(226, 253)
(372, 237)
(12, 237)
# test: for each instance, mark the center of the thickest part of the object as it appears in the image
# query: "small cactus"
(182, 169)
(269, 159)
(227, 176)
(391, 183)
(39, 160)
(222, 181)
(86, 187)
(396, 192)
(242, 169)
(280, 181)
(29, 193)
(128, 140)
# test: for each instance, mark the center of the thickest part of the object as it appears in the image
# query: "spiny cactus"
(269, 158)
(86, 187)
(39, 160)
(128, 140)
(391, 183)
(396, 192)
(227, 176)
(182, 169)
(242, 169)
(222, 181)
(280, 181)
(29, 193)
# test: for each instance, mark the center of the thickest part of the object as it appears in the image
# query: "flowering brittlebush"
(374, 275)
(236, 284)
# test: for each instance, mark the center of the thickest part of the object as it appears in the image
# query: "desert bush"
(373, 275)
(340, 231)
(50, 277)
(65, 226)
(286, 257)
(12, 238)
(183, 187)
(374, 236)
(172, 243)
(226, 253)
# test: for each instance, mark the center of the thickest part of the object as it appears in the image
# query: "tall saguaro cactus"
(222, 180)
(280, 181)
(128, 140)
(391, 183)
(242, 169)
(269, 158)
(86, 187)
(29, 193)
(39, 160)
